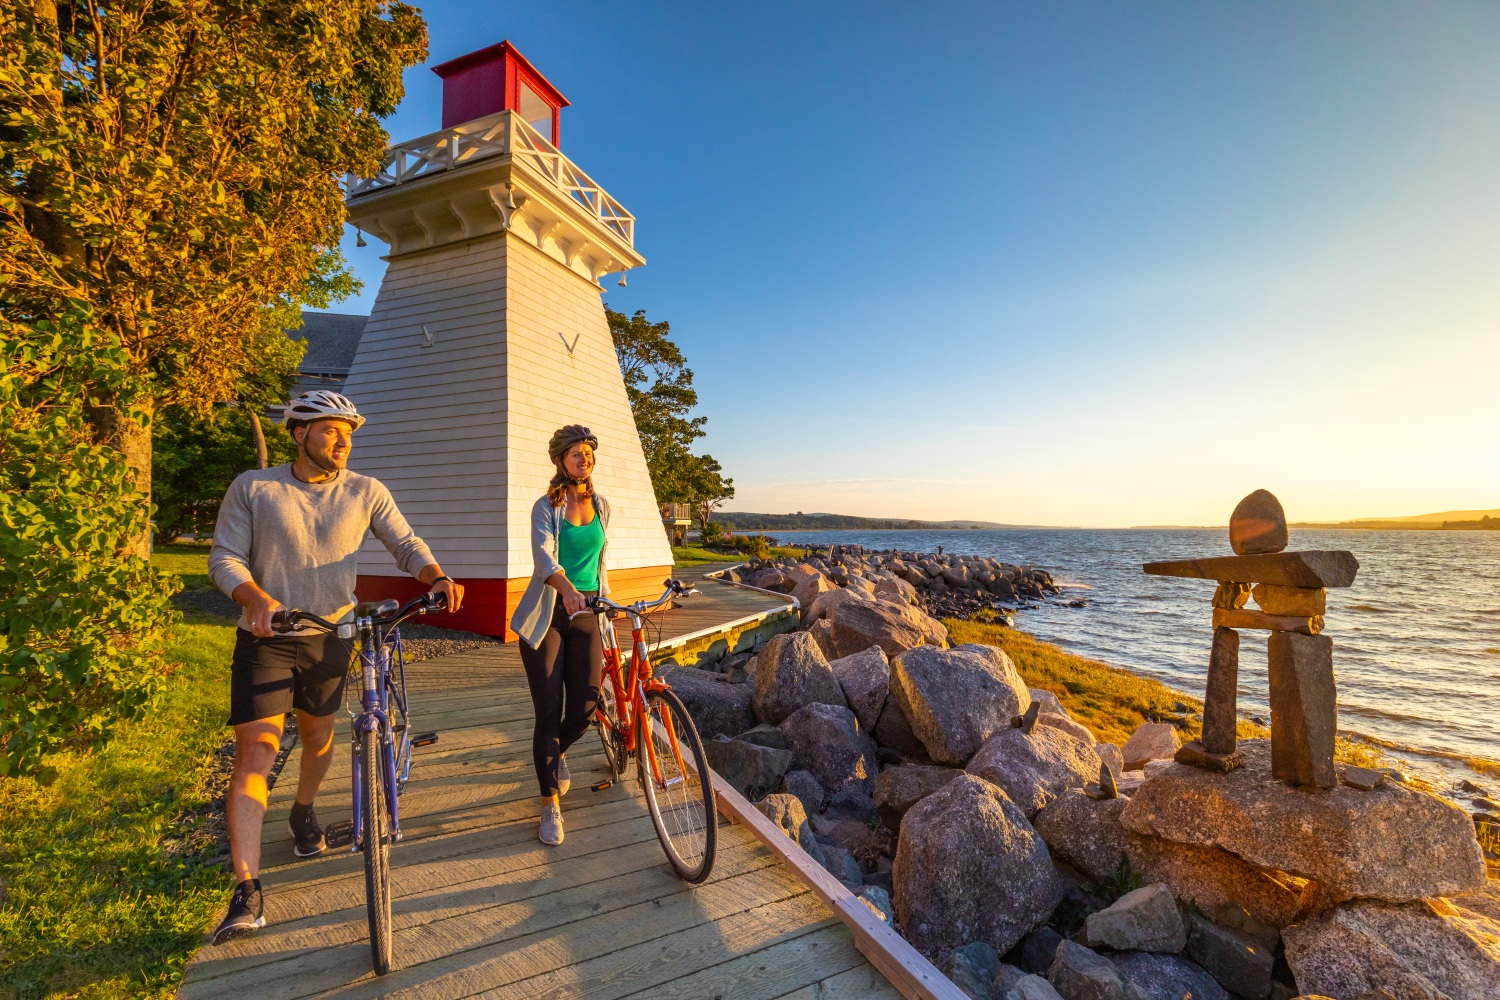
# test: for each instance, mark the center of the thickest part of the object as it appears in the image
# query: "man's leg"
(315, 733)
(255, 747)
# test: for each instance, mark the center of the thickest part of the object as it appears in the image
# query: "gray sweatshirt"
(300, 541)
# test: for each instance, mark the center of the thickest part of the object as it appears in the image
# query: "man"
(286, 538)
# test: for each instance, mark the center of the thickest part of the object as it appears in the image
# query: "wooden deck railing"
(502, 134)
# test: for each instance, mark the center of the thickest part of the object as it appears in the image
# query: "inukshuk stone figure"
(1290, 588)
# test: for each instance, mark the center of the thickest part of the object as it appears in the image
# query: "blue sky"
(1098, 264)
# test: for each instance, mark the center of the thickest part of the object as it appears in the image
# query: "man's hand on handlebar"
(259, 607)
(452, 591)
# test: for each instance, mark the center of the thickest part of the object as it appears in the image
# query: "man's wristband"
(440, 579)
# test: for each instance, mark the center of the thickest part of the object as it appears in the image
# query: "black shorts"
(271, 676)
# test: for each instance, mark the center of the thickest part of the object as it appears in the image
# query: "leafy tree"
(194, 458)
(169, 198)
(659, 385)
(80, 614)
(178, 165)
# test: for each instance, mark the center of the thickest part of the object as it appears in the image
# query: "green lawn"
(110, 876)
(693, 555)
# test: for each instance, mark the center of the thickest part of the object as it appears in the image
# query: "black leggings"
(564, 673)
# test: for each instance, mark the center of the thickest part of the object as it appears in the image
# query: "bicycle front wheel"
(376, 820)
(682, 801)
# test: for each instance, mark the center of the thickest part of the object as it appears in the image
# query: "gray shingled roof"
(332, 339)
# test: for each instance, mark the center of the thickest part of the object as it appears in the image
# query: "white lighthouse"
(489, 333)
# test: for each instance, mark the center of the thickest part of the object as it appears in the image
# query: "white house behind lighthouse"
(487, 334)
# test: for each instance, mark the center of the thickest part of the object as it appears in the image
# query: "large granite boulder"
(893, 731)
(970, 868)
(808, 588)
(1392, 842)
(896, 589)
(858, 625)
(972, 968)
(1427, 950)
(1086, 833)
(955, 699)
(790, 673)
(1144, 919)
(1034, 767)
(809, 790)
(1079, 973)
(1150, 741)
(824, 605)
(865, 678)
(897, 789)
(822, 633)
(1077, 730)
(749, 767)
(826, 741)
(1238, 961)
(787, 813)
(717, 706)
(1166, 977)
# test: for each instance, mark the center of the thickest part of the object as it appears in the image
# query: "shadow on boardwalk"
(483, 909)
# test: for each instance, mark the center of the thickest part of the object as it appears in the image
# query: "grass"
(695, 555)
(188, 560)
(110, 876)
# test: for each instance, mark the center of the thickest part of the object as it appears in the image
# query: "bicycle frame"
(629, 689)
(377, 695)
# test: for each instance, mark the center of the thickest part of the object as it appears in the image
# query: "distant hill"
(1450, 519)
(737, 520)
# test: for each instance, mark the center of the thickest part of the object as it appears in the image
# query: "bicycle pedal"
(601, 785)
(424, 739)
(339, 834)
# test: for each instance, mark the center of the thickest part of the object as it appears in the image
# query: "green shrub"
(194, 458)
(80, 616)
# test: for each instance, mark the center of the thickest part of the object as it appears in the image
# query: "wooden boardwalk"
(483, 909)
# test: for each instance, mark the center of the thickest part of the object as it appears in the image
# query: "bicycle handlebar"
(286, 621)
(603, 605)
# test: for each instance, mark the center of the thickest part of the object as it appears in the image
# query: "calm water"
(1416, 639)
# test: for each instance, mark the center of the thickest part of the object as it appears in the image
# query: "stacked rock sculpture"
(1290, 590)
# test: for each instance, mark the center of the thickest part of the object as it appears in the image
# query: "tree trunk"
(262, 456)
(116, 430)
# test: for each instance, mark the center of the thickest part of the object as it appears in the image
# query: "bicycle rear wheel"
(682, 805)
(376, 821)
(613, 751)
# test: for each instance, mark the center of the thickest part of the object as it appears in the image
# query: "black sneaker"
(246, 912)
(306, 831)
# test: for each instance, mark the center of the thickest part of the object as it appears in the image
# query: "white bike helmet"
(320, 404)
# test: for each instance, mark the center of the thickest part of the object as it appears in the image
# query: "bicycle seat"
(375, 609)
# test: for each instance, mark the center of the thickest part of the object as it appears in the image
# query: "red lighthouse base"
(489, 603)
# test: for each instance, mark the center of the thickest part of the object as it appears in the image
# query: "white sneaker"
(564, 779)
(551, 832)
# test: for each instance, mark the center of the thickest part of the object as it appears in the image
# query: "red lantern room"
(496, 79)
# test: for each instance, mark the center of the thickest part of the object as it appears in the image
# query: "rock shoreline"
(1029, 860)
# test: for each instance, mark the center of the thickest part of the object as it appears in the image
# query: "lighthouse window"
(536, 111)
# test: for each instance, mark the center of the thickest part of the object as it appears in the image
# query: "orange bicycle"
(636, 709)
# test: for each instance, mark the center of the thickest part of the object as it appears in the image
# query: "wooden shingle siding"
(458, 430)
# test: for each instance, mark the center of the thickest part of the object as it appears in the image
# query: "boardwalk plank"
(624, 971)
(824, 949)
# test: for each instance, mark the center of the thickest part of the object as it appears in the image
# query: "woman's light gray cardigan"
(534, 614)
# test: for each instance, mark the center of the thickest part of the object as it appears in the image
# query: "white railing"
(496, 135)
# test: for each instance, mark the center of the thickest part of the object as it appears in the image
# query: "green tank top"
(578, 551)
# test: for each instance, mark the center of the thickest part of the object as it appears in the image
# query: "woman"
(561, 646)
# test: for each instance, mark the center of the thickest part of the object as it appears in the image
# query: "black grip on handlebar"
(437, 602)
(283, 621)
